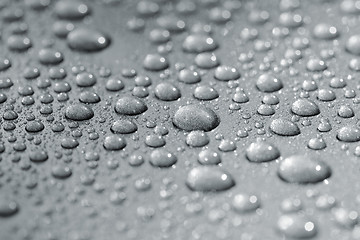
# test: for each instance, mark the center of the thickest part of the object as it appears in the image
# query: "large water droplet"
(303, 169)
(196, 117)
(87, 40)
(349, 134)
(130, 106)
(261, 151)
(297, 226)
(284, 127)
(305, 108)
(79, 112)
(206, 178)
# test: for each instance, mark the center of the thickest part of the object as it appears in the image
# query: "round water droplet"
(48, 56)
(162, 158)
(303, 169)
(85, 79)
(206, 178)
(19, 43)
(189, 76)
(87, 40)
(167, 92)
(195, 117)
(245, 203)
(305, 108)
(61, 171)
(34, 126)
(8, 207)
(209, 157)
(345, 112)
(326, 95)
(89, 97)
(115, 84)
(227, 145)
(268, 83)
(349, 134)
(226, 73)
(290, 19)
(79, 112)
(284, 127)
(155, 62)
(345, 218)
(123, 126)
(155, 141)
(38, 156)
(297, 226)
(316, 65)
(270, 99)
(325, 31)
(261, 151)
(71, 10)
(316, 143)
(353, 45)
(198, 43)
(130, 106)
(197, 139)
(206, 60)
(114, 143)
(205, 93)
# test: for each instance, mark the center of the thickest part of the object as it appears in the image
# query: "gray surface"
(68, 209)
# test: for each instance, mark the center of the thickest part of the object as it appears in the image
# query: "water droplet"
(189, 76)
(353, 45)
(305, 108)
(61, 171)
(123, 126)
(303, 169)
(87, 40)
(79, 112)
(284, 127)
(197, 139)
(245, 203)
(198, 43)
(226, 73)
(85, 79)
(162, 158)
(155, 62)
(206, 60)
(114, 143)
(130, 106)
(205, 93)
(71, 10)
(268, 83)
(349, 134)
(297, 226)
(325, 31)
(8, 207)
(206, 178)
(196, 117)
(167, 92)
(261, 151)
(209, 157)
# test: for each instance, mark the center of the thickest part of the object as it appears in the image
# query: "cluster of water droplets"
(177, 116)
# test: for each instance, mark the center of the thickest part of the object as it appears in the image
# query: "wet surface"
(155, 119)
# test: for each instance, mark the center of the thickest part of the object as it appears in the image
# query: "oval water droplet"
(261, 151)
(195, 117)
(305, 108)
(209, 178)
(87, 40)
(130, 106)
(79, 112)
(284, 127)
(303, 169)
